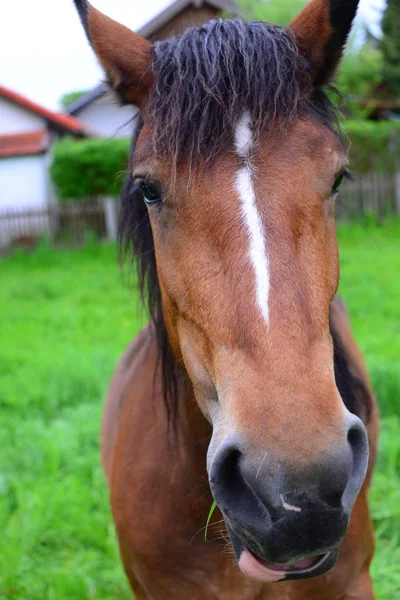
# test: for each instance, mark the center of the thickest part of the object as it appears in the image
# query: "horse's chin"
(259, 569)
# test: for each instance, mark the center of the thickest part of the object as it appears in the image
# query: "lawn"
(66, 317)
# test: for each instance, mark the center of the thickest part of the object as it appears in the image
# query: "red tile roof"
(20, 144)
(65, 122)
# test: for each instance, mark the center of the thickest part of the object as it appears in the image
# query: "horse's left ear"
(124, 55)
(321, 31)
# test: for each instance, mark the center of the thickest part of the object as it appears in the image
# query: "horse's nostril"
(229, 472)
(227, 482)
(355, 437)
(358, 441)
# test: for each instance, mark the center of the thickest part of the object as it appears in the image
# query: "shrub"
(83, 169)
(390, 46)
(374, 145)
(67, 99)
(357, 78)
(273, 11)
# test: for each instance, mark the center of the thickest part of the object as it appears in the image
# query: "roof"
(87, 98)
(148, 30)
(179, 6)
(67, 123)
(22, 144)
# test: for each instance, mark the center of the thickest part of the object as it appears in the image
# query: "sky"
(44, 52)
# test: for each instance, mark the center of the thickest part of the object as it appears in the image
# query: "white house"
(27, 132)
(99, 110)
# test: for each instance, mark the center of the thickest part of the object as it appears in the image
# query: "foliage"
(67, 99)
(374, 145)
(390, 45)
(66, 318)
(358, 76)
(86, 168)
(273, 11)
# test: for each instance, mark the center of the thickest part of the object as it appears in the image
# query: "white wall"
(16, 119)
(107, 118)
(23, 184)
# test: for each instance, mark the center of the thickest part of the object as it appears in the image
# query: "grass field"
(65, 319)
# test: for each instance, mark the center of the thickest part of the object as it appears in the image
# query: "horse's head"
(237, 166)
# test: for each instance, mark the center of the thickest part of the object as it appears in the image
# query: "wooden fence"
(373, 193)
(64, 224)
(69, 224)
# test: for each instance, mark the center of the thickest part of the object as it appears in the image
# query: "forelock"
(207, 77)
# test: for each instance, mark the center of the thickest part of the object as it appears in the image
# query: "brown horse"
(247, 386)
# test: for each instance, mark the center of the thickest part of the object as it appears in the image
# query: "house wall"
(107, 118)
(190, 17)
(16, 119)
(23, 182)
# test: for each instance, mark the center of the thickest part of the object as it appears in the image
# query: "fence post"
(110, 213)
(397, 190)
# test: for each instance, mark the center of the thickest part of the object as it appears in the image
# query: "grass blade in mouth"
(210, 514)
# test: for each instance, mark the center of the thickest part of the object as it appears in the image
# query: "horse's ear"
(124, 55)
(321, 31)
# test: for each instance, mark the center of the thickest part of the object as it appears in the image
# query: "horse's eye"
(151, 193)
(339, 181)
(337, 184)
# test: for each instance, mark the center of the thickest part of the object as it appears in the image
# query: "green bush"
(374, 145)
(390, 46)
(273, 11)
(83, 169)
(357, 78)
(67, 99)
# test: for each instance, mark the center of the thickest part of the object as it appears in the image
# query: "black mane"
(205, 79)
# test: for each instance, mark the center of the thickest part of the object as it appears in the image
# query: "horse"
(239, 431)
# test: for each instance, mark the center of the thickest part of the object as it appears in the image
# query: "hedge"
(87, 168)
(84, 169)
(374, 145)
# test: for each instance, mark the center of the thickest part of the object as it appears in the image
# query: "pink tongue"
(306, 563)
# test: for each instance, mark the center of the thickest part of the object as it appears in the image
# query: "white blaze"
(244, 187)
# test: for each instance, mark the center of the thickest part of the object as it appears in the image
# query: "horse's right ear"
(124, 55)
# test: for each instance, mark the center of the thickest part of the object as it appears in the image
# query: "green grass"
(65, 319)
(370, 285)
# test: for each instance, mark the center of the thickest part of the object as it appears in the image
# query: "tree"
(358, 77)
(390, 46)
(273, 11)
(69, 98)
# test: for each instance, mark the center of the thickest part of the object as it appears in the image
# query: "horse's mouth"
(259, 569)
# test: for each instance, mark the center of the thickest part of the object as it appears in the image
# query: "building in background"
(27, 133)
(99, 109)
